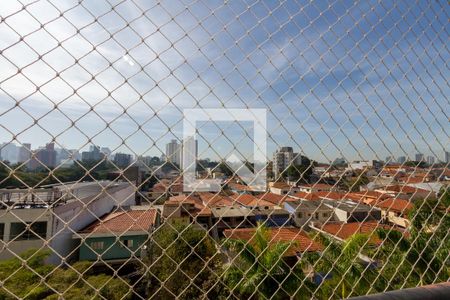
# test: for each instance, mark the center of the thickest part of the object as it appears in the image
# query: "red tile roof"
(121, 222)
(406, 189)
(369, 197)
(281, 185)
(199, 207)
(244, 199)
(303, 242)
(346, 230)
(215, 200)
(239, 187)
(396, 205)
(274, 198)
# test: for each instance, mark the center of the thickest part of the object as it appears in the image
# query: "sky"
(353, 79)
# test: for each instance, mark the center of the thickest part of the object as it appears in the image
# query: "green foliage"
(225, 169)
(260, 270)
(185, 258)
(414, 164)
(354, 183)
(37, 280)
(342, 260)
(83, 171)
(422, 256)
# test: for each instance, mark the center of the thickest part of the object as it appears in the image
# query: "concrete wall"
(77, 214)
(11, 246)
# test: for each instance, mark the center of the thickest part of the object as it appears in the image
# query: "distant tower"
(420, 157)
(401, 159)
(173, 152)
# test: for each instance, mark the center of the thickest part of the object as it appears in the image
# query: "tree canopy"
(182, 263)
(37, 280)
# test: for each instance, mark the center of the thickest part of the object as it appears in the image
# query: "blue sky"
(358, 80)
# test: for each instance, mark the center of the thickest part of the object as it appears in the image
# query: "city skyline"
(343, 102)
(64, 154)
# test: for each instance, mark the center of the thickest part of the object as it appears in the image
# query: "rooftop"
(317, 186)
(302, 243)
(274, 198)
(231, 211)
(345, 230)
(57, 194)
(347, 205)
(395, 205)
(123, 221)
(405, 189)
(312, 205)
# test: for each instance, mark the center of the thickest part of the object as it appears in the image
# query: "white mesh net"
(236, 149)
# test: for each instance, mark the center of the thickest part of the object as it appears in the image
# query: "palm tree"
(343, 264)
(258, 270)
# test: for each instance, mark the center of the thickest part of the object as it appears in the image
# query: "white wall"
(77, 214)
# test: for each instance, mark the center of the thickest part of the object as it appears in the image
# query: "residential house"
(406, 192)
(367, 197)
(164, 189)
(240, 188)
(395, 211)
(231, 217)
(275, 198)
(303, 212)
(187, 209)
(263, 210)
(118, 236)
(348, 211)
(317, 187)
(282, 188)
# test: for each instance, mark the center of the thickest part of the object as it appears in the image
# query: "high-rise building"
(401, 159)
(283, 158)
(9, 152)
(174, 152)
(44, 157)
(93, 155)
(66, 157)
(189, 150)
(420, 157)
(389, 159)
(106, 151)
(430, 160)
(24, 153)
(122, 159)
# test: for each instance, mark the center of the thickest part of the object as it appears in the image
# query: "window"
(96, 245)
(2, 230)
(317, 216)
(128, 243)
(28, 231)
(325, 215)
(300, 215)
